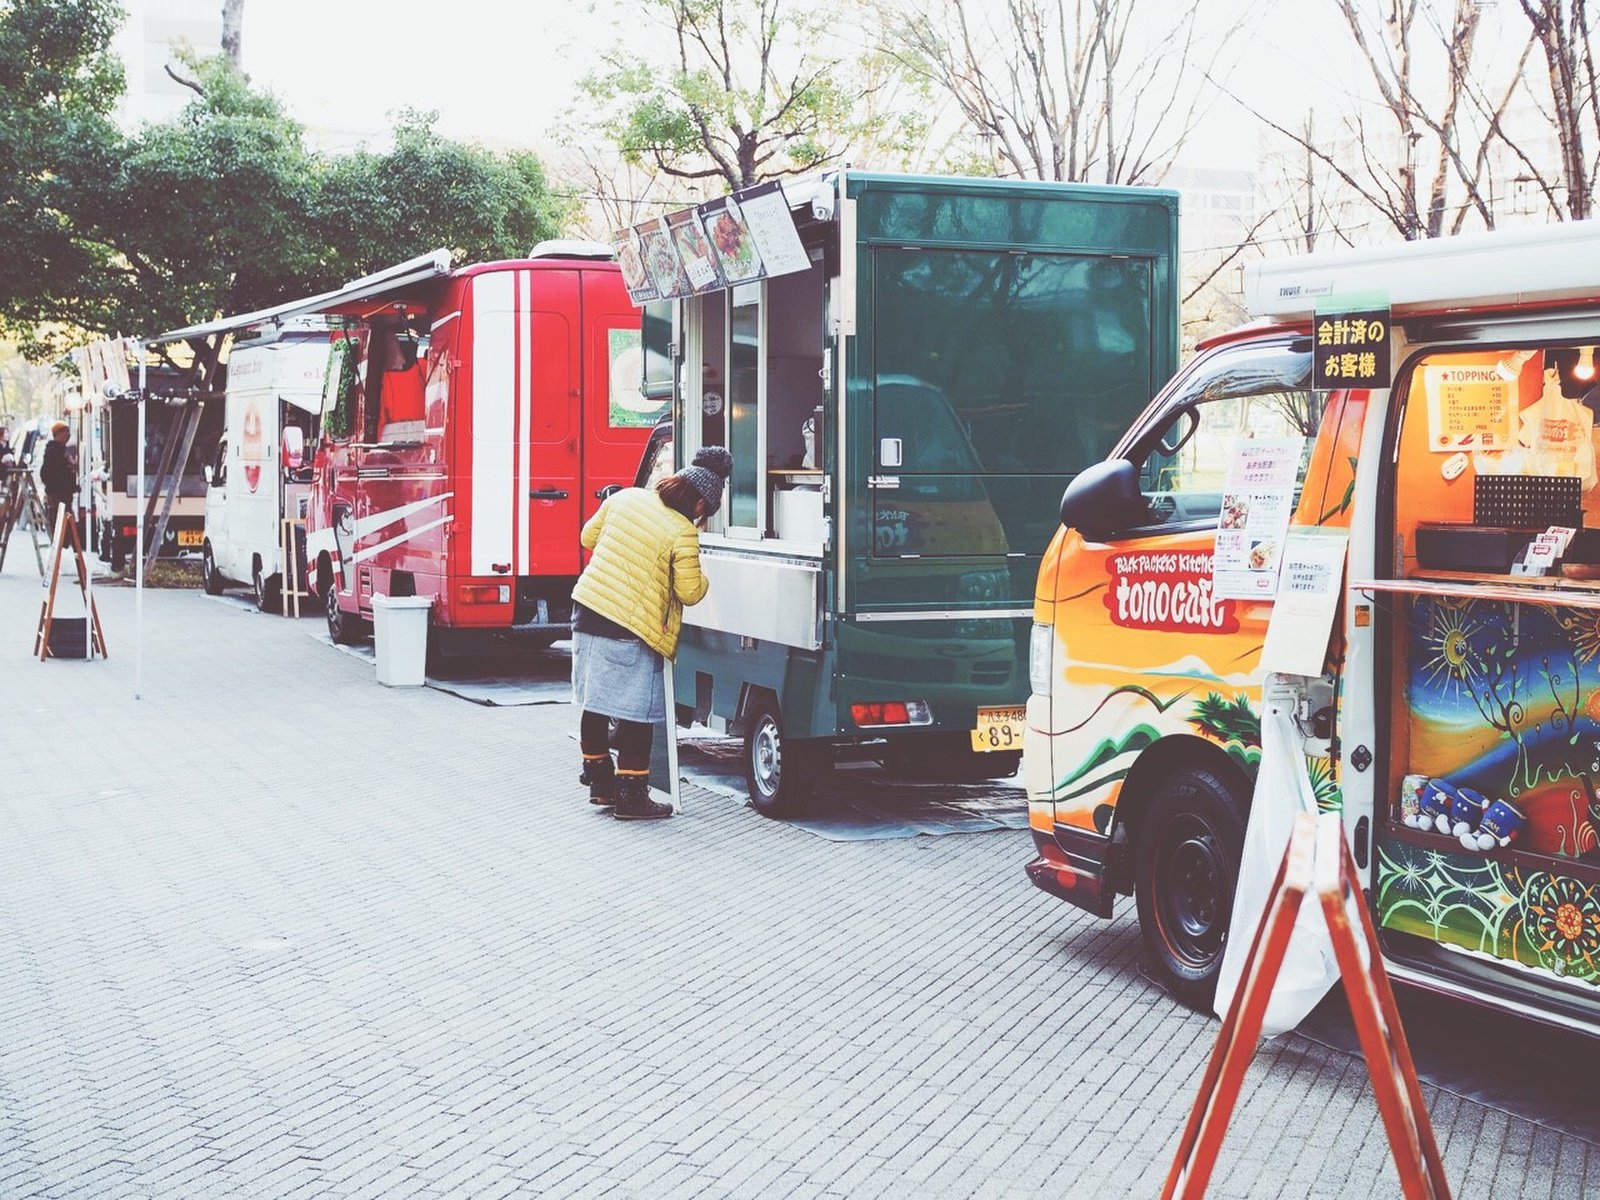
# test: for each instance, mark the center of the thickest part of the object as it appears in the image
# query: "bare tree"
(1564, 32)
(233, 32)
(1081, 90)
(1427, 165)
(614, 194)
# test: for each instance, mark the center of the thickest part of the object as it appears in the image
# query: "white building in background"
(1217, 210)
(152, 33)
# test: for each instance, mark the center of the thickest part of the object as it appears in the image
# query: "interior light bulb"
(1584, 368)
(1509, 367)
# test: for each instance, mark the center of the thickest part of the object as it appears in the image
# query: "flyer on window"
(1257, 501)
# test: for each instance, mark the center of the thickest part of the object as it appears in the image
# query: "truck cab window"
(1188, 452)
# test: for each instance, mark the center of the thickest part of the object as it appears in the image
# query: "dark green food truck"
(908, 370)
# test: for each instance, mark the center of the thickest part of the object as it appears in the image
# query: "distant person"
(56, 473)
(627, 610)
(8, 456)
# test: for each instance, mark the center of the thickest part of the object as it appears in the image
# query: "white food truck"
(261, 471)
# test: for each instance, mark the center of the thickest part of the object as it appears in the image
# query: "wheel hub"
(1192, 896)
(766, 757)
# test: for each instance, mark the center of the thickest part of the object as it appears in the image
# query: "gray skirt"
(618, 678)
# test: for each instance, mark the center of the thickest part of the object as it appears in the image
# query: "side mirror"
(1103, 500)
(294, 447)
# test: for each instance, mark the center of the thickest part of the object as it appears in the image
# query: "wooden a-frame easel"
(67, 528)
(1317, 859)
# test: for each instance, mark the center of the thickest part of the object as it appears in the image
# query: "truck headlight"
(1041, 647)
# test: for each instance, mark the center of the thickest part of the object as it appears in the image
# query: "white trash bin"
(400, 631)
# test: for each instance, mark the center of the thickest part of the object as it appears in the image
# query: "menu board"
(635, 278)
(1469, 408)
(661, 260)
(766, 215)
(1257, 499)
(731, 240)
(689, 239)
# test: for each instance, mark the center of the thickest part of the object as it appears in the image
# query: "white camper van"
(261, 472)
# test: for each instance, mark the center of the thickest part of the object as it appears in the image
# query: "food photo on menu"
(695, 251)
(1235, 511)
(662, 260)
(735, 247)
(1263, 555)
(634, 277)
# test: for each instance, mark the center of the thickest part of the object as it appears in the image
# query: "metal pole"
(138, 554)
(85, 449)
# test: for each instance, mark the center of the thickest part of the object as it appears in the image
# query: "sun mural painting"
(1504, 699)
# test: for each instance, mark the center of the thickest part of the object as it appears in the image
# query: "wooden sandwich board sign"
(94, 641)
(1318, 858)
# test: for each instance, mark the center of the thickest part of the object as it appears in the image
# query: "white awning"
(417, 270)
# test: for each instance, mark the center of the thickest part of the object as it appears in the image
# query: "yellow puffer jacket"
(646, 567)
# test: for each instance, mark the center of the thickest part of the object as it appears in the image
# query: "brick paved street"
(276, 931)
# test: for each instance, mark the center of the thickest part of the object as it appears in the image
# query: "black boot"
(601, 776)
(633, 798)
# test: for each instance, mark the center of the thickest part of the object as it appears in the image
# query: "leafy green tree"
(223, 208)
(58, 83)
(208, 211)
(743, 90)
(373, 209)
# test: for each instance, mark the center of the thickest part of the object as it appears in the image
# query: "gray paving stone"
(281, 932)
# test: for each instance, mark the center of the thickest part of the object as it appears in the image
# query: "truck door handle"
(547, 494)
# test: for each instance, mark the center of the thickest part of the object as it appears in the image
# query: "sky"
(505, 72)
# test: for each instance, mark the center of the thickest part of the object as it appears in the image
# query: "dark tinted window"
(1039, 361)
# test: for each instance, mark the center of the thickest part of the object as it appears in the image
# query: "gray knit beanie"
(707, 472)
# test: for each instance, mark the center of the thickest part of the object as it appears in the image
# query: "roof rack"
(1501, 269)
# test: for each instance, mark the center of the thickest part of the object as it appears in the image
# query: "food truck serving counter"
(907, 371)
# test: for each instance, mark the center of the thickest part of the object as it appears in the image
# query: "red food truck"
(471, 421)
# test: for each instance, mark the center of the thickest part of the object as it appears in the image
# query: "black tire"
(268, 594)
(1186, 866)
(210, 577)
(346, 629)
(778, 775)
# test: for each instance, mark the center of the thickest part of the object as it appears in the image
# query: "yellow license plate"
(190, 537)
(999, 729)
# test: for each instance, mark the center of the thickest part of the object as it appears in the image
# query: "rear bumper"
(1078, 879)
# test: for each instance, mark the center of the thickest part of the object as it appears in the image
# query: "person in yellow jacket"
(626, 613)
